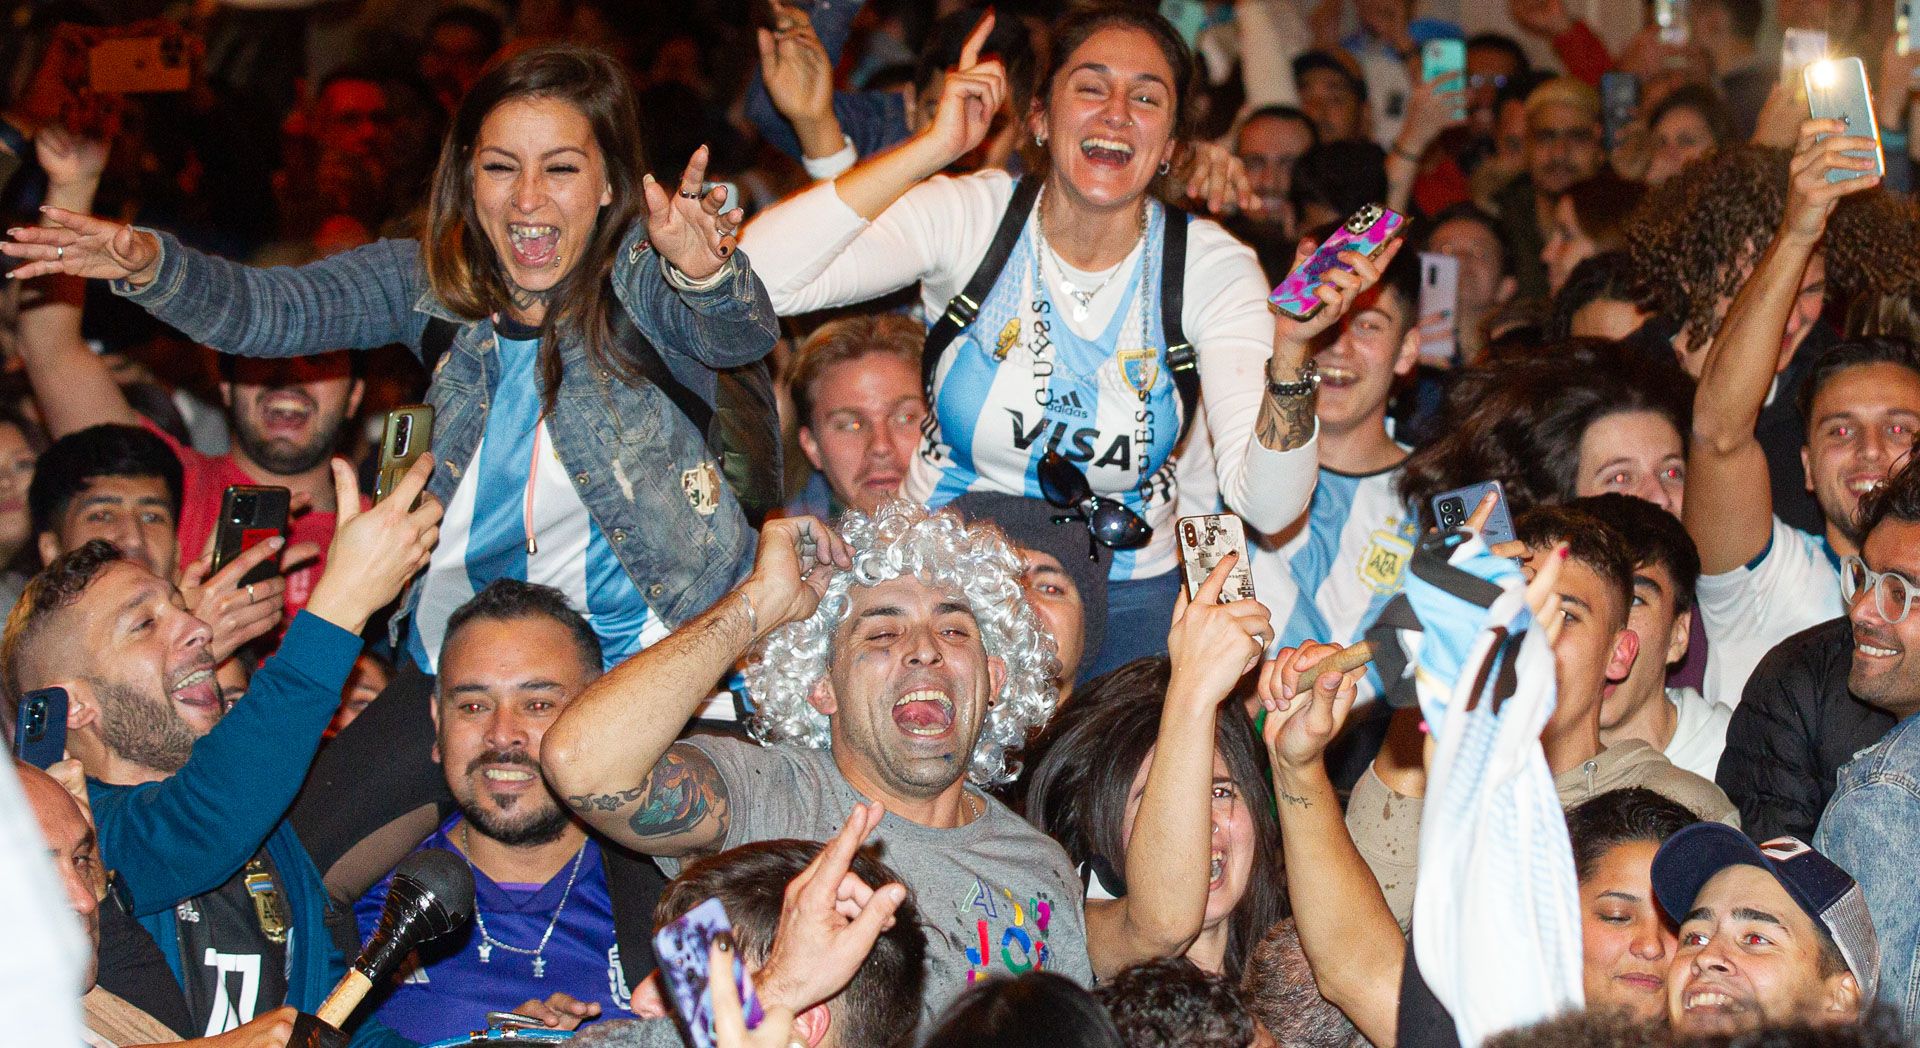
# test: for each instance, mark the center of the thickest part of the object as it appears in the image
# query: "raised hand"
(829, 920)
(82, 246)
(1433, 107)
(692, 227)
(1810, 197)
(1305, 706)
(1337, 294)
(1545, 18)
(729, 1021)
(969, 99)
(792, 569)
(376, 551)
(236, 613)
(69, 159)
(1213, 644)
(799, 77)
(1216, 178)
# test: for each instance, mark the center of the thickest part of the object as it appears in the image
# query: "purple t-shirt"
(444, 990)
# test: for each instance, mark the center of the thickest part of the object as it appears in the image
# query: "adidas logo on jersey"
(1070, 405)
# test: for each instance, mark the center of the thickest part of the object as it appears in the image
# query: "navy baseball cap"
(1690, 858)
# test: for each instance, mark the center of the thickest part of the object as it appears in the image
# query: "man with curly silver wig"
(899, 662)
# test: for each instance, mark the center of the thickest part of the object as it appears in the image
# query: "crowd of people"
(803, 404)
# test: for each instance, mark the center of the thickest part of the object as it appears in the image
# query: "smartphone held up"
(1837, 89)
(1366, 233)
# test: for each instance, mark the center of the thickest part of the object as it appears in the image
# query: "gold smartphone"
(408, 435)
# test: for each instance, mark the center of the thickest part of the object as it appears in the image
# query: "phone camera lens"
(1452, 512)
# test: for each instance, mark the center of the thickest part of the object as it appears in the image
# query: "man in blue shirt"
(543, 928)
(189, 801)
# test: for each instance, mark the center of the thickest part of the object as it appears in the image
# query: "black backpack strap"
(436, 340)
(1181, 362)
(647, 363)
(963, 307)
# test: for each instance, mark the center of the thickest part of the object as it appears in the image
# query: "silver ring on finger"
(250, 597)
(60, 253)
(689, 196)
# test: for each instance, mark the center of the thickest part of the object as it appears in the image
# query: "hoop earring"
(1040, 141)
(1166, 166)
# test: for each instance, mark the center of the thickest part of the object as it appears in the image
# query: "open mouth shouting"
(1336, 376)
(925, 713)
(1108, 152)
(286, 411)
(534, 246)
(1216, 870)
(198, 692)
(1858, 484)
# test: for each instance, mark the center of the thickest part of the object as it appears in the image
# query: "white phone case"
(1205, 541)
(1440, 293)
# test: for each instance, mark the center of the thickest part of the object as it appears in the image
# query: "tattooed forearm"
(1285, 423)
(678, 796)
(1293, 799)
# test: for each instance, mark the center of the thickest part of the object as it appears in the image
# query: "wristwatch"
(1308, 381)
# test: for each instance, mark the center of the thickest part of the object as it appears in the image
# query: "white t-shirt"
(1792, 585)
(814, 252)
(1700, 733)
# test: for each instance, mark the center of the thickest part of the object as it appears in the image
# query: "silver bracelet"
(753, 617)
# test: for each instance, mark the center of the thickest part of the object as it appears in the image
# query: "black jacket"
(1795, 726)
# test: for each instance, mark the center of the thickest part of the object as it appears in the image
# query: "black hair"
(70, 465)
(1308, 61)
(508, 600)
(57, 587)
(880, 1007)
(1859, 353)
(1703, 100)
(1607, 276)
(1655, 536)
(1288, 113)
(1898, 497)
(1590, 540)
(1468, 211)
(1626, 816)
(1038, 1009)
(1345, 175)
(1081, 768)
(1505, 45)
(1010, 42)
(1170, 1001)
(1519, 87)
(1744, 16)
(481, 22)
(1402, 277)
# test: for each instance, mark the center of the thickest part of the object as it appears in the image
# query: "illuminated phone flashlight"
(1824, 73)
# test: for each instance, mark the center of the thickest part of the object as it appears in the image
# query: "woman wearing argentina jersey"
(1067, 351)
(553, 466)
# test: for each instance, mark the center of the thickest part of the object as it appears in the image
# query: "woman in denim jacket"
(556, 464)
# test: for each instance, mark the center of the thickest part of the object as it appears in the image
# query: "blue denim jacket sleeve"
(354, 300)
(726, 326)
(185, 835)
(1879, 802)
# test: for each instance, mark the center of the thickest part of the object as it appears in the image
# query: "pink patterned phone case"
(1371, 228)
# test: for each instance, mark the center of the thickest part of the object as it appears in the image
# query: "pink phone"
(1370, 229)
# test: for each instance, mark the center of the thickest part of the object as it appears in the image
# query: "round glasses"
(1892, 592)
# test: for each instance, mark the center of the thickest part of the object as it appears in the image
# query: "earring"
(1166, 166)
(1040, 141)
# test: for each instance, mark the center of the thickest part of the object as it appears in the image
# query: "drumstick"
(1349, 658)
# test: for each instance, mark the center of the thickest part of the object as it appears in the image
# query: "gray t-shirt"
(996, 896)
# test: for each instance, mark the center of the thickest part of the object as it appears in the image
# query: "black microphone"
(431, 894)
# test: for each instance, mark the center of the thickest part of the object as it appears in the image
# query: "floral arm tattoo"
(1285, 423)
(682, 792)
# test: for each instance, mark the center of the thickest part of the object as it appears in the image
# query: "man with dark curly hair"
(1170, 1003)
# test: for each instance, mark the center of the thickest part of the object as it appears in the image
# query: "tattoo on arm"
(1285, 423)
(1292, 799)
(678, 796)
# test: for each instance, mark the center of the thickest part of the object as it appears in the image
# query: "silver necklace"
(488, 942)
(1082, 300)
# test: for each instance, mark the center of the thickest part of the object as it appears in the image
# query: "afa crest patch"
(702, 487)
(1140, 368)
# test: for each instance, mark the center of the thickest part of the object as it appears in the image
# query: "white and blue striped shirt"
(484, 534)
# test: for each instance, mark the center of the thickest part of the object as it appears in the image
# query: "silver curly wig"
(902, 538)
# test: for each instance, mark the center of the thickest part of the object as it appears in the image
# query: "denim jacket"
(1871, 828)
(634, 457)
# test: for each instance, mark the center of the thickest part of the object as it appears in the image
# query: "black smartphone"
(408, 435)
(1452, 508)
(40, 728)
(249, 515)
(1619, 104)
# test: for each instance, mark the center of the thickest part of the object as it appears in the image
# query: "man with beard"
(1762, 580)
(1563, 147)
(514, 657)
(190, 803)
(895, 665)
(284, 418)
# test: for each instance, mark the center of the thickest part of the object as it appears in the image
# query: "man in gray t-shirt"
(903, 680)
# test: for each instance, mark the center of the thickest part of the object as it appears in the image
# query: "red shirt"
(206, 479)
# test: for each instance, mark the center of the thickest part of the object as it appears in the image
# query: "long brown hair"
(461, 265)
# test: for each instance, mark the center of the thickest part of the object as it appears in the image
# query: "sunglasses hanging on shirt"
(1109, 523)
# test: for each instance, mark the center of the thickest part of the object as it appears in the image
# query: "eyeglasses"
(1109, 523)
(1892, 592)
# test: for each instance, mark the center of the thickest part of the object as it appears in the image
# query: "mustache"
(498, 757)
(1864, 634)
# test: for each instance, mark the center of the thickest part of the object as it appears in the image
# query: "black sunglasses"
(1109, 523)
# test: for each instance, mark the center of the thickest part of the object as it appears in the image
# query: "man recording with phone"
(182, 793)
